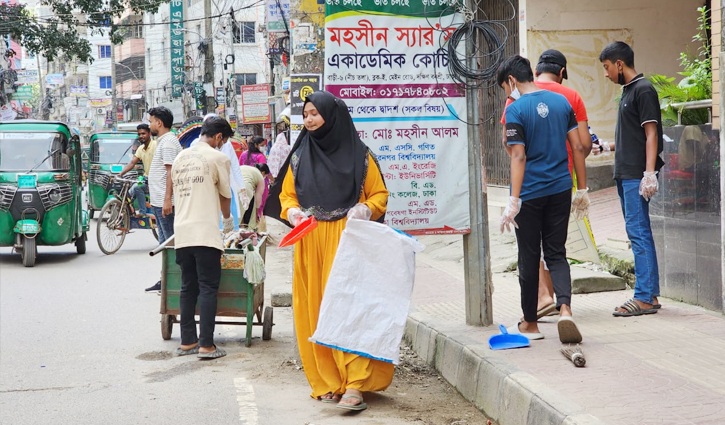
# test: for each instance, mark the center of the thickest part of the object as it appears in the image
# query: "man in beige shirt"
(145, 154)
(200, 176)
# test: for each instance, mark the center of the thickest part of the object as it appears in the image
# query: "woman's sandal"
(356, 407)
(329, 398)
(633, 309)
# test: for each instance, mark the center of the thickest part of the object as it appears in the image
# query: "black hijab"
(329, 164)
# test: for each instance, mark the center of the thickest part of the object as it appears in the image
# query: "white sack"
(366, 300)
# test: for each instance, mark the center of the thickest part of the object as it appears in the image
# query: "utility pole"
(209, 59)
(114, 115)
(476, 254)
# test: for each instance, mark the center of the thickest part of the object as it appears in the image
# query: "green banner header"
(432, 9)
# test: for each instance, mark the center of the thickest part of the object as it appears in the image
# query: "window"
(244, 32)
(136, 31)
(104, 82)
(244, 80)
(104, 52)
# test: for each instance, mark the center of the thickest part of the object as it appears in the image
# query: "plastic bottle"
(595, 139)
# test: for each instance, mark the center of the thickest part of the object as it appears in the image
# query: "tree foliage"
(59, 36)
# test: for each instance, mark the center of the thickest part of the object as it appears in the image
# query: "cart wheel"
(167, 325)
(267, 324)
(81, 244)
(112, 226)
(29, 252)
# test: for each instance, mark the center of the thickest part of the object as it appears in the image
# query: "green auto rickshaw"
(40, 188)
(109, 153)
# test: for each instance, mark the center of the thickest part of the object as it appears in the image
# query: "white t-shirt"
(200, 174)
(167, 148)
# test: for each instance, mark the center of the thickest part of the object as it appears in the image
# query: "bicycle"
(117, 218)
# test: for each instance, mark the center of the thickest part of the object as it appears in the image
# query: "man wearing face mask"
(551, 71)
(200, 176)
(538, 125)
(638, 142)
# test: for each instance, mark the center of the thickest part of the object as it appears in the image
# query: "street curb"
(505, 394)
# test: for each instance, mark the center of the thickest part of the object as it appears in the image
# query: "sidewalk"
(666, 368)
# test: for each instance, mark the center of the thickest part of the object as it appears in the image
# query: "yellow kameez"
(330, 370)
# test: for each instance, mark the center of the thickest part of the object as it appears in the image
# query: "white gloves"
(359, 212)
(295, 216)
(580, 203)
(511, 211)
(228, 223)
(648, 185)
(603, 148)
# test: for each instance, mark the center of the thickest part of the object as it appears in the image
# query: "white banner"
(393, 74)
(276, 18)
(27, 76)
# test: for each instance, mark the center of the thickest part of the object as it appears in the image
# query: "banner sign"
(79, 91)
(199, 95)
(23, 93)
(54, 79)
(301, 86)
(176, 12)
(27, 76)
(390, 65)
(221, 97)
(255, 104)
(276, 18)
(99, 103)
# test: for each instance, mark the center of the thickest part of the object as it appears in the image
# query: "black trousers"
(200, 273)
(543, 222)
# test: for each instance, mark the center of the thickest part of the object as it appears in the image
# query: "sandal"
(329, 398)
(181, 352)
(357, 407)
(633, 309)
(218, 352)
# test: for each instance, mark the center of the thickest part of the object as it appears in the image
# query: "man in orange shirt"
(550, 72)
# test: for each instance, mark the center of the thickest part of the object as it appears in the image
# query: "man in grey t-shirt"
(160, 187)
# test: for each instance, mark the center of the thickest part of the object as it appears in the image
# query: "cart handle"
(162, 246)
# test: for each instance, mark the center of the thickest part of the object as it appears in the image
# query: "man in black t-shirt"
(638, 142)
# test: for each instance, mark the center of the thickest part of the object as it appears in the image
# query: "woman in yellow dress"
(331, 175)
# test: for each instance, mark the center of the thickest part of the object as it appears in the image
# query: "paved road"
(80, 343)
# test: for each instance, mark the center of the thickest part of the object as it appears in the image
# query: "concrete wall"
(658, 30)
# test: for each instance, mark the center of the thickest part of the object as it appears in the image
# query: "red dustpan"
(299, 232)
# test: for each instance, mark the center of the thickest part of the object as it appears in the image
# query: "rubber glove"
(511, 211)
(649, 185)
(295, 216)
(580, 204)
(359, 212)
(228, 224)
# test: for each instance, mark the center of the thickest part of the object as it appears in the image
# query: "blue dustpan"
(507, 340)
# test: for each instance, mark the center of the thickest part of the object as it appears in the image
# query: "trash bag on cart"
(367, 296)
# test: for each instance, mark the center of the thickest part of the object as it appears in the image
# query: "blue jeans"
(639, 231)
(139, 193)
(164, 225)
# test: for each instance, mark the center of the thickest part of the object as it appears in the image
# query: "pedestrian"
(279, 152)
(200, 176)
(550, 73)
(334, 177)
(538, 123)
(144, 153)
(253, 155)
(255, 186)
(638, 144)
(160, 187)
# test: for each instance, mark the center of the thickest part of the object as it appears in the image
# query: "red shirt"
(576, 102)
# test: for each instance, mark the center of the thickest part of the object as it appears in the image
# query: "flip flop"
(356, 407)
(334, 399)
(633, 309)
(218, 352)
(546, 311)
(568, 331)
(181, 352)
(516, 331)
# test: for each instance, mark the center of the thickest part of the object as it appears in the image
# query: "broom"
(575, 354)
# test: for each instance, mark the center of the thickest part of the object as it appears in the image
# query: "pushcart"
(237, 297)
